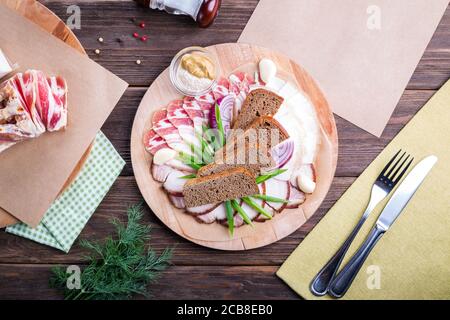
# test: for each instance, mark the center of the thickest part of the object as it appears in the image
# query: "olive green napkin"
(412, 260)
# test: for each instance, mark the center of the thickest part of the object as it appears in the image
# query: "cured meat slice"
(179, 165)
(30, 104)
(174, 182)
(235, 82)
(165, 129)
(177, 115)
(201, 210)
(177, 201)
(240, 85)
(221, 89)
(263, 218)
(25, 87)
(279, 189)
(160, 172)
(153, 142)
(195, 112)
(218, 214)
(296, 198)
(52, 95)
(181, 120)
(207, 218)
(159, 115)
(251, 213)
(206, 103)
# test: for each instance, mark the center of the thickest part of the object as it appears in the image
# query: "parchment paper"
(32, 173)
(361, 52)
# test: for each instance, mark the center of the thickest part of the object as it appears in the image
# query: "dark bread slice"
(231, 184)
(246, 150)
(213, 168)
(259, 102)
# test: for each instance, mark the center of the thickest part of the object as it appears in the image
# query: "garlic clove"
(267, 69)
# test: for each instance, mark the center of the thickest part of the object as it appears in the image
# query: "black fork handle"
(344, 279)
(321, 282)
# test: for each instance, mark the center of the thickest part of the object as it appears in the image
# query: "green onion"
(257, 207)
(211, 138)
(230, 218)
(269, 175)
(269, 198)
(197, 153)
(206, 148)
(241, 212)
(220, 126)
(189, 176)
(188, 159)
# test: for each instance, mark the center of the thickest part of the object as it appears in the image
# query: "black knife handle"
(344, 279)
(321, 282)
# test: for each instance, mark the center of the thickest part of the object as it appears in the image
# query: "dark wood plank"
(356, 147)
(168, 34)
(124, 192)
(22, 281)
(25, 265)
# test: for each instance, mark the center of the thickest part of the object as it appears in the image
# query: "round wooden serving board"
(46, 19)
(234, 57)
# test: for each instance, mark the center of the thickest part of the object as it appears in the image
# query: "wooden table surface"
(198, 273)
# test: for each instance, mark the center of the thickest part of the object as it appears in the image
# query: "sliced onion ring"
(282, 153)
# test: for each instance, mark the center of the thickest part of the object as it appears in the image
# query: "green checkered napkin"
(69, 213)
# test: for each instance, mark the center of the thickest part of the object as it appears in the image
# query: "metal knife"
(391, 211)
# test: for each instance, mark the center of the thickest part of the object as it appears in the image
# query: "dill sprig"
(119, 267)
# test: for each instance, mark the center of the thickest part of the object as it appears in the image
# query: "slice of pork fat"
(177, 201)
(296, 198)
(279, 189)
(174, 182)
(204, 209)
(218, 214)
(160, 172)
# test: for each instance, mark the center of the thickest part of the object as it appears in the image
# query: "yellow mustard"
(198, 65)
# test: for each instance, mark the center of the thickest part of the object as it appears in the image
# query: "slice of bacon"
(221, 89)
(206, 103)
(153, 142)
(166, 130)
(159, 115)
(31, 103)
(195, 112)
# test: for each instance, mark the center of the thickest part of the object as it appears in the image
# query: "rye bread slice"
(213, 168)
(259, 102)
(244, 151)
(231, 184)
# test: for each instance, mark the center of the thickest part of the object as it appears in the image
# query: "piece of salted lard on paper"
(5, 66)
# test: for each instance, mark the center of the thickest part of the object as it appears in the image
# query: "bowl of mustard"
(194, 71)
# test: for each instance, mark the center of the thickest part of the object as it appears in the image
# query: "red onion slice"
(226, 105)
(282, 153)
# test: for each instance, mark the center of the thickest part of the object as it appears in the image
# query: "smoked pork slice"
(174, 182)
(296, 198)
(279, 189)
(160, 172)
(203, 209)
(177, 201)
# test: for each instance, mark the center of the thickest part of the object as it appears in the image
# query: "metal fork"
(386, 181)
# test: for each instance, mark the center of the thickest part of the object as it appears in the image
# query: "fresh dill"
(119, 267)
